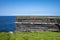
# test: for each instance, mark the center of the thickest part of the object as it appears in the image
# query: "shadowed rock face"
(58, 26)
(7, 23)
(58, 21)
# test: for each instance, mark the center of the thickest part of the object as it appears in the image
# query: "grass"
(31, 36)
(38, 36)
(6, 36)
(18, 17)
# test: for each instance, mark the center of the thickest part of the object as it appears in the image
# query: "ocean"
(7, 23)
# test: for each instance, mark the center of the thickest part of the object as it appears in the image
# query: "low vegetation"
(38, 36)
(31, 36)
(6, 36)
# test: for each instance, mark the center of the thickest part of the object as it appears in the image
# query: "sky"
(29, 7)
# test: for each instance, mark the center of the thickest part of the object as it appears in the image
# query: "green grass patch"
(6, 36)
(38, 36)
(30, 36)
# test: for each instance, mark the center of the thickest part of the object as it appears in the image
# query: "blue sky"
(29, 7)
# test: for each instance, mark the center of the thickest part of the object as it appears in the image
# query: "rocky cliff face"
(32, 27)
(37, 24)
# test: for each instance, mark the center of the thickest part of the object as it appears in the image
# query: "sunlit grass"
(38, 36)
(30, 36)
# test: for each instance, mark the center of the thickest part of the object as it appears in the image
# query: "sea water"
(7, 23)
